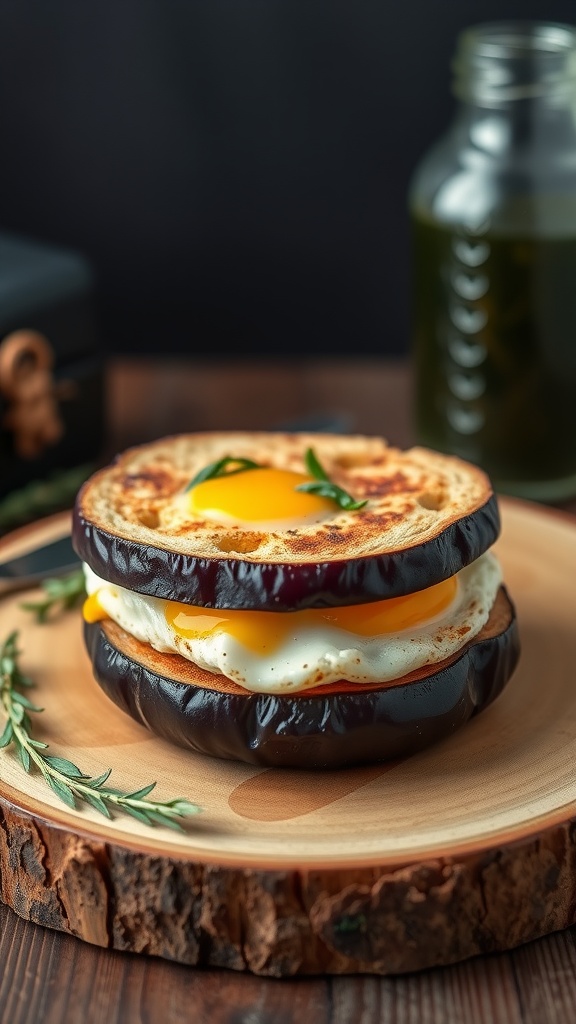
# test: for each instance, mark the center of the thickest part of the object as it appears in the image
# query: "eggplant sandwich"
(294, 600)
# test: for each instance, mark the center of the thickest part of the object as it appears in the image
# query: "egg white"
(314, 656)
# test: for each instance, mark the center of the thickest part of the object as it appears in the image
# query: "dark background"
(236, 170)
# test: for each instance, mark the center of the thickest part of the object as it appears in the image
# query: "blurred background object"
(51, 377)
(493, 207)
(236, 172)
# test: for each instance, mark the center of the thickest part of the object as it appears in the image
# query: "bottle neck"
(508, 157)
(516, 83)
(516, 67)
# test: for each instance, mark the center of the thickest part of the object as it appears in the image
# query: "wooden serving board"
(466, 848)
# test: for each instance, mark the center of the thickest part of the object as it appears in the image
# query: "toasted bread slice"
(427, 515)
(330, 726)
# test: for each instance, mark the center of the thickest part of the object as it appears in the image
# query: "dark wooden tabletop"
(50, 978)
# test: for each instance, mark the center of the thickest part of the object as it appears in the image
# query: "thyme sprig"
(325, 487)
(63, 777)
(59, 594)
(222, 467)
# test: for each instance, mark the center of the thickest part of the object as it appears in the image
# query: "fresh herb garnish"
(65, 778)
(65, 592)
(325, 487)
(41, 497)
(221, 468)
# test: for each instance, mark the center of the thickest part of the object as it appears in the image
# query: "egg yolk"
(92, 610)
(258, 495)
(264, 632)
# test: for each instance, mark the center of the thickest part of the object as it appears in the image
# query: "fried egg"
(265, 498)
(281, 652)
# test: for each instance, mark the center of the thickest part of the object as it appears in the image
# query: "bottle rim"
(499, 61)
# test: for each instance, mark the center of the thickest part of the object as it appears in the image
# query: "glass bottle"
(493, 216)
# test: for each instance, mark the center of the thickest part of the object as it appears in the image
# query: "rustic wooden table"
(51, 978)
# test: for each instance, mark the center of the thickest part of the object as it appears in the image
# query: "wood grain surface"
(49, 976)
(53, 978)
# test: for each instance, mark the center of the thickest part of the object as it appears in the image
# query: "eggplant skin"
(347, 728)
(266, 586)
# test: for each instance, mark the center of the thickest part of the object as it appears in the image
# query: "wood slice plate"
(466, 848)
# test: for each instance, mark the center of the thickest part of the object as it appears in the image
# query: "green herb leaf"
(6, 736)
(313, 466)
(183, 807)
(65, 591)
(96, 801)
(335, 493)
(135, 813)
(98, 782)
(222, 468)
(161, 819)
(141, 793)
(65, 767)
(21, 680)
(24, 757)
(20, 698)
(62, 790)
(325, 488)
(16, 713)
(65, 778)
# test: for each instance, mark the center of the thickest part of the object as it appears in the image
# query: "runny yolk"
(257, 495)
(92, 610)
(263, 632)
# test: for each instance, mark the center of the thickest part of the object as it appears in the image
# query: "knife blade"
(53, 559)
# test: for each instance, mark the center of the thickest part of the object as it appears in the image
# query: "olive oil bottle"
(493, 214)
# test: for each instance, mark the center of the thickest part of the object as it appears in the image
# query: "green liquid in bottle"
(495, 351)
